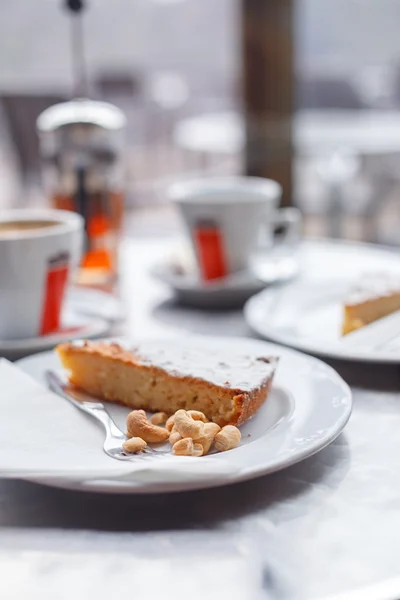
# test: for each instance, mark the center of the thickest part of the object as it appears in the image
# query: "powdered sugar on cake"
(373, 285)
(224, 369)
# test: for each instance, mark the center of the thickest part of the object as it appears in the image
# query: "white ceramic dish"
(308, 407)
(230, 292)
(307, 316)
(87, 314)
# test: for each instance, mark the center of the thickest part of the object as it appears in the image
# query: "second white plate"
(308, 316)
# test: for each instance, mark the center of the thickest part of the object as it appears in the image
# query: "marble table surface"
(324, 526)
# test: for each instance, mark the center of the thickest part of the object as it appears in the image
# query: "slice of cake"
(166, 376)
(373, 298)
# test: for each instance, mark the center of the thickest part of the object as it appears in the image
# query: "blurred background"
(306, 91)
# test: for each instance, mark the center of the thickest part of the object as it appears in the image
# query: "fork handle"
(94, 409)
(102, 415)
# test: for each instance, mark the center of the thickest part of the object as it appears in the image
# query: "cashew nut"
(187, 447)
(158, 418)
(175, 436)
(134, 444)
(188, 427)
(197, 415)
(138, 425)
(206, 440)
(170, 422)
(228, 438)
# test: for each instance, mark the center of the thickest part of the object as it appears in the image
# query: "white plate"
(308, 407)
(88, 313)
(308, 316)
(232, 291)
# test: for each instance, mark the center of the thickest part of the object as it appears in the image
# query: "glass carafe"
(81, 145)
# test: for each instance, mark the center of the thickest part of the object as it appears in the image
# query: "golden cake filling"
(375, 297)
(168, 376)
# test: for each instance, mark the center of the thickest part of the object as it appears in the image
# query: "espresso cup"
(227, 218)
(38, 251)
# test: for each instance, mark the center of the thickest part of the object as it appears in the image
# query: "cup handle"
(289, 221)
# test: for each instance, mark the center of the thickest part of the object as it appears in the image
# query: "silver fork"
(114, 436)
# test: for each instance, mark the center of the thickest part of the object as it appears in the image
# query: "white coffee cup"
(227, 217)
(38, 251)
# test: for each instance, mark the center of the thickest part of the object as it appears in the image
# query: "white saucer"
(231, 291)
(309, 405)
(87, 314)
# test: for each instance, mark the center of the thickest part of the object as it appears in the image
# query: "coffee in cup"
(15, 227)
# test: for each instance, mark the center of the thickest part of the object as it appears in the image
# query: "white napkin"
(44, 437)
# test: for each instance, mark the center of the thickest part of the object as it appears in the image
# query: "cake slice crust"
(165, 376)
(375, 297)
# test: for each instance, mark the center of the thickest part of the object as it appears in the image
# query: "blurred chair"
(317, 92)
(377, 85)
(125, 90)
(117, 85)
(21, 112)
